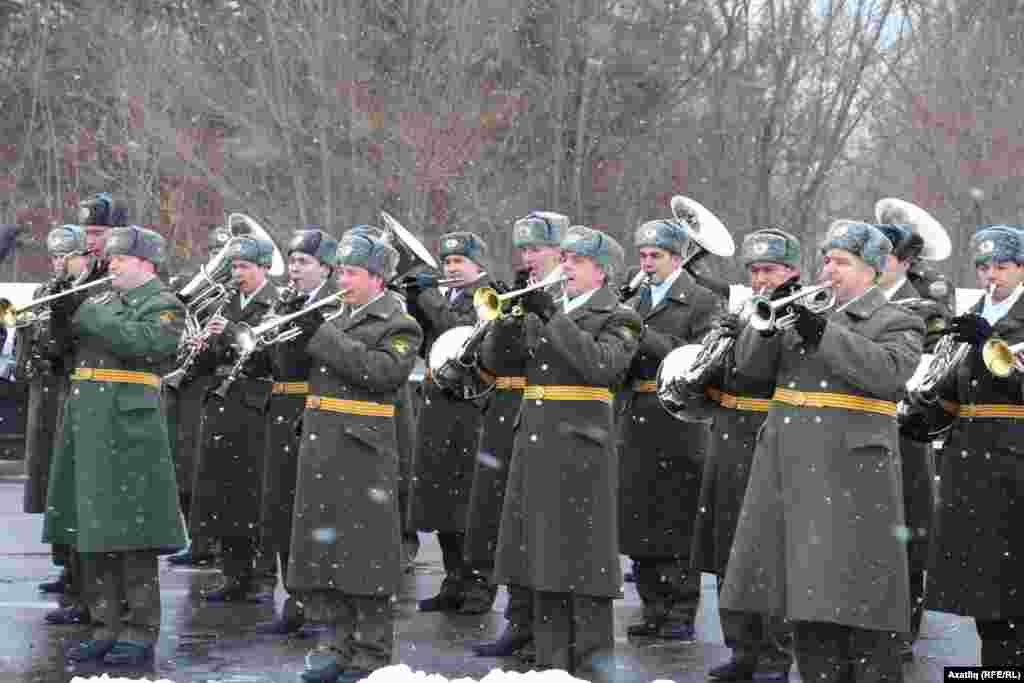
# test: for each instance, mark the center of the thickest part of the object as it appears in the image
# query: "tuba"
(708, 235)
(411, 252)
(937, 246)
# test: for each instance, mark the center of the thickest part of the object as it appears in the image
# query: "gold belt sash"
(983, 410)
(119, 376)
(509, 382)
(648, 386)
(757, 405)
(340, 405)
(290, 388)
(819, 399)
(555, 392)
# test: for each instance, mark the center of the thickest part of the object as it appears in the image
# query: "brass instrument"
(765, 315)
(937, 246)
(490, 305)
(454, 361)
(194, 338)
(23, 316)
(248, 340)
(411, 252)
(1001, 359)
(629, 290)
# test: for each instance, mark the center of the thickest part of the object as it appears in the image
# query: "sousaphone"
(892, 211)
(411, 252)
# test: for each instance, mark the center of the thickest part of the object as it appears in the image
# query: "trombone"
(765, 315)
(490, 305)
(23, 316)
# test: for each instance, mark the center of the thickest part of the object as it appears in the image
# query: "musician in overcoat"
(918, 461)
(538, 237)
(976, 569)
(448, 429)
(229, 476)
(816, 542)
(345, 559)
(312, 256)
(112, 491)
(662, 458)
(759, 643)
(559, 530)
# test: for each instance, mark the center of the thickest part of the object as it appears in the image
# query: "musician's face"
(583, 274)
(360, 284)
(895, 270)
(306, 271)
(96, 238)
(130, 271)
(541, 260)
(462, 268)
(766, 277)
(849, 274)
(1004, 275)
(73, 266)
(249, 275)
(658, 263)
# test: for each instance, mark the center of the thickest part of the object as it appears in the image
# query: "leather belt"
(984, 410)
(646, 386)
(340, 405)
(555, 392)
(119, 376)
(757, 405)
(290, 388)
(818, 399)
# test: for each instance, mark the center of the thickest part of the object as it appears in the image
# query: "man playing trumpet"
(815, 542)
(758, 642)
(661, 458)
(345, 559)
(976, 568)
(448, 429)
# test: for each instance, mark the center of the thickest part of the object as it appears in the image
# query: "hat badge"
(523, 231)
(345, 250)
(840, 231)
(986, 247)
(759, 248)
(83, 213)
(650, 233)
(451, 243)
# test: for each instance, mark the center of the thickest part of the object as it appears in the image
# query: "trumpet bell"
(1000, 358)
(672, 387)
(704, 227)
(411, 252)
(487, 303)
(937, 245)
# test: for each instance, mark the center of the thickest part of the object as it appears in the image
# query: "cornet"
(490, 305)
(765, 312)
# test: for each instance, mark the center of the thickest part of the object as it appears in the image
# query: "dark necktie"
(646, 301)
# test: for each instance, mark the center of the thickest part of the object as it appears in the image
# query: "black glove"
(309, 323)
(809, 325)
(787, 288)
(63, 308)
(539, 302)
(730, 325)
(970, 329)
(522, 279)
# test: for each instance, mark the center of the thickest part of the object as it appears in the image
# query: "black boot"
(513, 639)
(478, 595)
(449, 599)
(187, 558)
(69, 615)
(229, 590)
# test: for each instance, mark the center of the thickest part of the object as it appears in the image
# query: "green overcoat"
(112, 485)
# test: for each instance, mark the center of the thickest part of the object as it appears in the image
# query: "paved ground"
(207, 643)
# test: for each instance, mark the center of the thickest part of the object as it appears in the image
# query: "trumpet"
(23, 316)
(1001, 359)
(248, 340)
(765, 312)
(490, 305)
(404, 282)
(628, 291)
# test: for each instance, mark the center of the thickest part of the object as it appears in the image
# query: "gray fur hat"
(770, 245)
(135, 241)
(599, 246)
(66, 240)
(365, 251)
(248, 248)
(466, 244)
(860, 239)
(997, 243)
(539, 229)
(663, 233)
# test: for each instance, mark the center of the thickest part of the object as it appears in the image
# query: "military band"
(784, 445)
